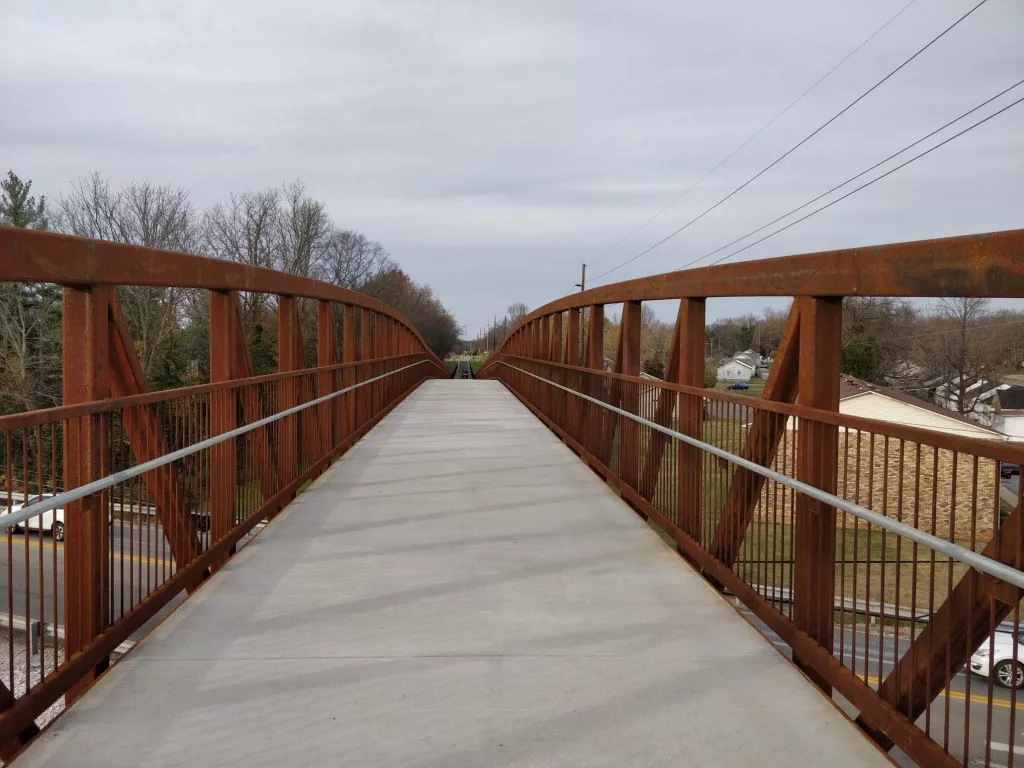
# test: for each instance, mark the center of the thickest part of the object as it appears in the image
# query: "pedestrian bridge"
(454, 597)
(362, 561)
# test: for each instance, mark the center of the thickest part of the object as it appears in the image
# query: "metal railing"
(913, 524)
(835, 584)
(209, 486)
(134, 496)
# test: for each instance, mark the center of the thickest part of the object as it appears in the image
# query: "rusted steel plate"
(30, 256)
(986, 265)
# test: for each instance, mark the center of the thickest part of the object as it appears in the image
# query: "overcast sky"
(494, 146)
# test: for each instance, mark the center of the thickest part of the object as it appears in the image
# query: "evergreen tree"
(18, 208)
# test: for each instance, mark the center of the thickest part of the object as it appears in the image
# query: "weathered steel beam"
(32, 256)
(288, 391)
(814, 550)
(984, 265)
(85, 322)
(956, 629)
(762, 443)
(626, 395)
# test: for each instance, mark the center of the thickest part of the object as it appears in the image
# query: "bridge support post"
(556, 338)
(814, 567)
(86, 377)
(224, 366)
(555, 356)
(379, 350)
(350, 355)
(626, 395)
(365, 353)
(572, 338)
(288, 390)
(690, 356)
(326, 355)
(572, 357)
(544, 353)
(593, 414)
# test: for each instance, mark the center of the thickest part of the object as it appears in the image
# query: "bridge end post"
(86, 378)
(814, 555)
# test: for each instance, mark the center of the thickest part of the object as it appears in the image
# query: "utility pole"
(582, 284)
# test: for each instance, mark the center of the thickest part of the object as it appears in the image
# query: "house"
(739, 367)
(977, 396)
(872, 401)
(1007, 409)
(955, 489)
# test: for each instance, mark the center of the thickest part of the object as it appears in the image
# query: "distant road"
(140, 552)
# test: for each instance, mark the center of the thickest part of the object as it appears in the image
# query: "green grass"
(474, 365)
(756, 387)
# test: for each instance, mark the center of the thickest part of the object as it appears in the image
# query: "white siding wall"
(734, 372)
(872, 405)
(1012, 427)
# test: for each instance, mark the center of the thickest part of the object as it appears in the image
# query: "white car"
(51, 521)
(1006, 670)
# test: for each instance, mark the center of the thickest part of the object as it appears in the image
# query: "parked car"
(51, 521)
(1008, 469)
(739, 385)
(1006, 671)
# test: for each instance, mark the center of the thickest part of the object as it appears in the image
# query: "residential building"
(1007, 409)
(739, 367)
(872, 401)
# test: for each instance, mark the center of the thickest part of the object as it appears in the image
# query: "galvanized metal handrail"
(961, 554)
(54, 502)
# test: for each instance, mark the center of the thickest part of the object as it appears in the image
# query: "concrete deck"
(459, 590)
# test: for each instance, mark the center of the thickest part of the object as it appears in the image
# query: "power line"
(796, 146)
(852, 178)
(869, 183)
(759, 131)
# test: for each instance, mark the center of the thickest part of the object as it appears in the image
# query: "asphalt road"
(968, 701)
(138, 554)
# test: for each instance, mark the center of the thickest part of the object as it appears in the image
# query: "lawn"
(756, 387)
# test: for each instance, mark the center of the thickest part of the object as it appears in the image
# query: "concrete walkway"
(460, 590)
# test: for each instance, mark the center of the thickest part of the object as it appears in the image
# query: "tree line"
(911, 346)
(280, 228)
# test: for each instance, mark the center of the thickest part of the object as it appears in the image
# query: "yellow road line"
(960, 696)
(34, 544)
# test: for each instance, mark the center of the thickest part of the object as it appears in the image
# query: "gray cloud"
(492, 147)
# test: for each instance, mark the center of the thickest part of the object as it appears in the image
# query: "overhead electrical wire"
(759, 131)
(869, 183)
(849, 180)
(799, 144)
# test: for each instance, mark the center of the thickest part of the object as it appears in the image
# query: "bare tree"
(516, 311)
(351, 260)
(305, 229)
(246, 230)
(140, 213)
(961, 352)
(874, 343)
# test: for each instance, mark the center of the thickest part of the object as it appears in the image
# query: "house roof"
(740, 360)
(850, 386)
(1011, 398)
